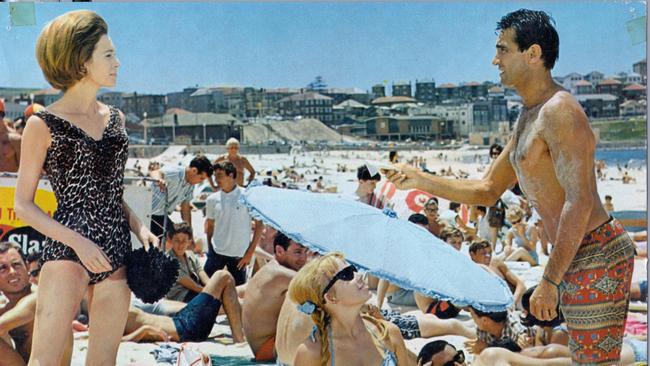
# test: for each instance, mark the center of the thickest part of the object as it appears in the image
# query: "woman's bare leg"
(108, 303)
(521, 255)
(61, 287)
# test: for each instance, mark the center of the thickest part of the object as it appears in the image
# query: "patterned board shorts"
(595, 294)
(407, 324)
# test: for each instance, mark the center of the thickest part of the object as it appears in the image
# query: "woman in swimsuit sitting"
(332, 292)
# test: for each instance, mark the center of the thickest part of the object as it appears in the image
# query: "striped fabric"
(595, 295)
(178, 189)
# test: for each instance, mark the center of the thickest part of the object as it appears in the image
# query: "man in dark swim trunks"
(195, 321)
(17, 317)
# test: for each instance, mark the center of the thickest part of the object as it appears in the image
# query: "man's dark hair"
(5, 246)
(417, 218)
(496, 147)
(227, 167)
(529, 320)
(33, 256)
(497, 317)
(180, 228)
(608, 197)
(506, 343)
(454, 205)
(281, 240)
(202, 165)
(478, 245)
(533, 27)
(431, 349)
(364, 174)
(482, 209)
(391, 155)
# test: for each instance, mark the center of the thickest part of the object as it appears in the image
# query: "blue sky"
(165, 47)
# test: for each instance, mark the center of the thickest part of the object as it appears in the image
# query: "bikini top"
(389, 357)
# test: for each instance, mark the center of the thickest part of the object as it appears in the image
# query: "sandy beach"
(315, 164)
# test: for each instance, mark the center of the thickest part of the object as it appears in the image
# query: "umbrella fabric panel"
(387, 247)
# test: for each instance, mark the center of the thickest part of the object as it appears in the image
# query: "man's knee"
(220, 280)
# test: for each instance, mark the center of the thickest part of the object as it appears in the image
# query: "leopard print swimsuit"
(86, 177)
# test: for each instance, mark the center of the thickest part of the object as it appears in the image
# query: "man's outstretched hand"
(402, 175)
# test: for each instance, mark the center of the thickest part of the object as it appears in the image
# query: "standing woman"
(333, 293)
(82, 146)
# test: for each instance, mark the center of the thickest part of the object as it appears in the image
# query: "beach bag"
(189, 355)
(150, 274)
(497, 214)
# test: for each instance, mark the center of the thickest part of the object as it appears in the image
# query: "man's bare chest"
(529, 146)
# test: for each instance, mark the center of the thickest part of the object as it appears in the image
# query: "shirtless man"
(240, 162)
(481, 253)
(551, 154)
(194, 322)
(265, 293)
(17, 317)
(9, 148)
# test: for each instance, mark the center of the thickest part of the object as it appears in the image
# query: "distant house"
(571, 80)
(584, 87)
(112, 98)
(378, 91)
(390, 101)
(610, 86)
(195, 127)
(310, 105)
(634, 91)
(599, 105)
(448, 91)
(348, 109)
(399, 128)
(594, 77)
(472, 90)
(339, 95)
(152, 104)
(425, 91)
(634, 107)
(402, 89)
(641, 69)
(46, 97)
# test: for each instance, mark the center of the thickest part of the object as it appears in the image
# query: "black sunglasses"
(346, 274)
(459, 358)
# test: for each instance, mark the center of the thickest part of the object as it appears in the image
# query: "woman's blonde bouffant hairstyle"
(308, 285)
(66, 43)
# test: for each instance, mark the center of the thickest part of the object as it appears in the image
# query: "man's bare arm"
(513, 280)
(484, 192)
(186, 212)
(249, 167)
(147, 333)
(565, 124)
(21, 314)
(209, 230)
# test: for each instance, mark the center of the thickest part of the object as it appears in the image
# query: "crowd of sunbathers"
(300, 308)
